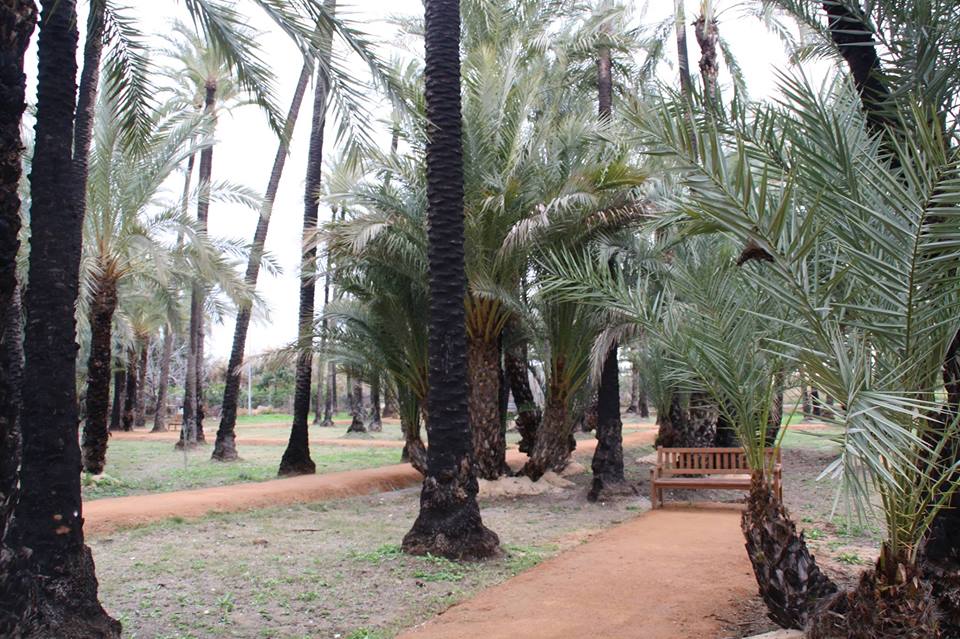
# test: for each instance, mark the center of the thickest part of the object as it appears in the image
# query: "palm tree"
(296, 458)
(16, 26)
(50, 589)
(225, 448)
(449, 522)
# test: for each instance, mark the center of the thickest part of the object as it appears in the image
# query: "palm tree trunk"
(413, 449)
(17, 21)
(449, 523)
(489, 453)
(326, 383)
(376, 423)
(188, 425)
(356, 408)
(554, 437)
(225, 448)
(140, 406)
(119, 390)
(528, 413)
(99, 364)
(130, 399)
(330, 401)
(160, 415)
(634, 407)
(390, 408)
(296, 458)
(642, 404)
(683, 57)
(318, 395)
(47, 583)
(705, 29)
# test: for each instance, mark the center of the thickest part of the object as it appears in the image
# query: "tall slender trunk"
(356, 408)
(334, 399)
(296, 458)
(483, 371)
(47, 581)
(528, 413)
(642, 405)
(705, 29)
(140, 402)
(634, 407)
(331, 398)
(390, 408)
(17, 21)
(329, 383)
(99, 364)
(225, 448)
(192, 429)
(119, 390)
(449, 522)
(683, 57)
(376, 423)
(318, 395)
(130, 399)
(160, 414)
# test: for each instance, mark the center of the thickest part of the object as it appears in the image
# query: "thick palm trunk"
(555, 439)
(390, 408)
(449, 523)
(225, 448)
(160, 414)
(140, 403)
(791, 584)
(484, 375)
(357, 412)
(130, 398)
(119, 391)
(47, 583)
(528, 413)
(296, 458)
(376, 423)
(688, 427)
(607, 462)
(99, 364)
(17, 20)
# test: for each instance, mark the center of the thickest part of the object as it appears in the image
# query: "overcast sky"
(246, 147)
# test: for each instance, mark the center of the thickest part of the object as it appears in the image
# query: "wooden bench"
(717, 468)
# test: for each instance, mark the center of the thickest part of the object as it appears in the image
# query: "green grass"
(811, 440)
(276, 418)
(154, 467)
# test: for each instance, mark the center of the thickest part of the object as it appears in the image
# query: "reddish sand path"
(105, 515)
(667, 574)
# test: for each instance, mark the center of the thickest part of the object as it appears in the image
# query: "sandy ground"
(663, 575)
(105, 515)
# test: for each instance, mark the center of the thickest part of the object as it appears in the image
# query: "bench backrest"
(706, 461)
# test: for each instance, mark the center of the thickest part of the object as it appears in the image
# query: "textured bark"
(318, 396)
(331, 399)
(357, 411)
(140, 401)
(807, 405)
(119, 391)
(130, 397)
(47, 583)
(528, 413)
(483, 372)
(390, 408)
(188, 425)
(449, 523)
(376, 423)
(707, 37)
(790, 582)
(160, 414)
(642, 406)
(684, 427)
(225, 448)
(296, 458)
(99, 364)
(607, 464)
(17, 20)
(634, 407)
(683, 57)
(413, 449)
(775, 419)
(555, 439)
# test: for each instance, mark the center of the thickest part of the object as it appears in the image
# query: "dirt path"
(104, 515)
(666, 574)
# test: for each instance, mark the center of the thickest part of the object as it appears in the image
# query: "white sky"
(246, 147)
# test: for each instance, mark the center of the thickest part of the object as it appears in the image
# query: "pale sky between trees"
(246, 147)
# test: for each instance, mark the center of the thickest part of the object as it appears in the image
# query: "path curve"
(667, 574)
(106, 515)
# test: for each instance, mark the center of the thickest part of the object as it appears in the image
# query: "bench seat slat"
(693, 482)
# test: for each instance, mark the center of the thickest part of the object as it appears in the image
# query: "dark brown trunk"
(553, 446)
(634, 407)
(376, 423)
(607, 462)
(807, 405)
(390, 408)
(642, 405)
(99, 364)
(47, 583)
(688, 427)
(413, 449)
(318, 395)
(356, 408)
(296, 458)
(705, 29)
(188, 427)
(17, 21)
(449, 523)
(225, 448)
(119, 391)
(483, 372)
(790, 582)
(817, 409)
(330, 400)
(140, 403)
(160, 415)
(130, 397)
(528, 413)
